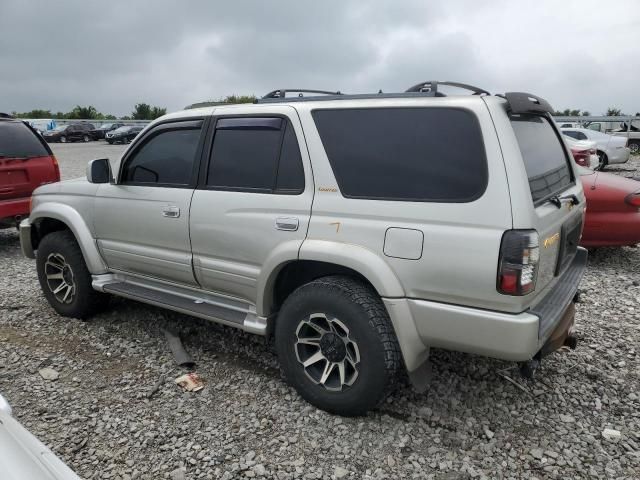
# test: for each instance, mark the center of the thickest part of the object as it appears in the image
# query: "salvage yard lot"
(477, 419)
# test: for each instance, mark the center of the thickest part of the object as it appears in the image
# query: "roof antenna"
(380, 91)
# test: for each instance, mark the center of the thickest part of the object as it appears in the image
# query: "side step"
(218, 309)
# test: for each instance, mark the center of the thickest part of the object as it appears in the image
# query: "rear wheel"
(634, 147)
(63, 139)
(603, 161)
(85, 138)
(64, 278)
(336, 345)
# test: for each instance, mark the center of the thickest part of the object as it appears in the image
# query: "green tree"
(613, 112)
(157, 112)
(586, 113)
(83, 112)
(110, 117)
(239, 99)
(37, 113)
(144, 111)
(141, 111)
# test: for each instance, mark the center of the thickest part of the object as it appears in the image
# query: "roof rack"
(431, 86)
(424, 89)
(282, 93)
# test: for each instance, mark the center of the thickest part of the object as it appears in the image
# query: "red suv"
(26, 162)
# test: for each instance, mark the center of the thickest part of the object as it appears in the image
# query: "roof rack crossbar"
(432, 86)
(281, 93)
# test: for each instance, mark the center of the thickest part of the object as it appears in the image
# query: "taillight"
(581, 157)
(519, 256)
(633, 199)
(56, 167)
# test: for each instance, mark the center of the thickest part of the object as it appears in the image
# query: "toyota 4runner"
(358, 230)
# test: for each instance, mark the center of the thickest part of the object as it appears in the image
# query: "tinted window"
(290, 171)
(544, 156)
(571, 134)
(17, 140)
(256, 154)
(415, 154)
(166, 158)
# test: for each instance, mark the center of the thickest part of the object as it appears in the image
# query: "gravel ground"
(477, 420)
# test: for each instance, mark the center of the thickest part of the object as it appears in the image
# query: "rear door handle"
(170, 211)
(289, 224)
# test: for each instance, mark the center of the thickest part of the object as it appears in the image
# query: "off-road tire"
(360, 308)
(86, 300)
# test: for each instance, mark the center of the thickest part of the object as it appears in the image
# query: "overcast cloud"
(112, 54)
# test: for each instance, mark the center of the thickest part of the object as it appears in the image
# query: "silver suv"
(358, 230)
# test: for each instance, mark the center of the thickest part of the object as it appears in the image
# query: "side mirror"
(99, 171)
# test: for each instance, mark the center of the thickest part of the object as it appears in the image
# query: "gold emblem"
(551, 240)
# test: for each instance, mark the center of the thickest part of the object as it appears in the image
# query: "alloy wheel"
(60, 278)
(329, 356)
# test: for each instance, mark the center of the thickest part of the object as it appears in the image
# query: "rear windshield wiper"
(557, 201)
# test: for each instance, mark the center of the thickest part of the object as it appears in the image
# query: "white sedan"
(611, 148)
(23, 456)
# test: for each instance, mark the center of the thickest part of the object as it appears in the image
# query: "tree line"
(611, 112)
(141, 111)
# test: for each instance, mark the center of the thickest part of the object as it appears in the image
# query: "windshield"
(121, 129)
(106, 126)
(59, 128)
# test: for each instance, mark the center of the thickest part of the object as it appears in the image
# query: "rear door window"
(18, 141)
(256, 154)
(545, 158)
(406, 154)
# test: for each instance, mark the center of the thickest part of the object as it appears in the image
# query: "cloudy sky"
(115, 53)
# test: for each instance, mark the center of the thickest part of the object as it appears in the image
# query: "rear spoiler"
(521, 102)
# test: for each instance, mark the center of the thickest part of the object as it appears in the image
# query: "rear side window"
(410, 154)
(257, 155)
(17, 140)
(544, 156)
(166, 159)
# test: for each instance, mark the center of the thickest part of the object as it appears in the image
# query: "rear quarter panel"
(458, 262)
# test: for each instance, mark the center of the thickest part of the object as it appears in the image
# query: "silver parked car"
(23, 456)
(359, 230)
(611, 149)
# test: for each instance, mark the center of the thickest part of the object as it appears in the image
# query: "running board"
(199, 304)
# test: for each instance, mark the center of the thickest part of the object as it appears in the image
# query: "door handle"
(170, 211)
(289, 224)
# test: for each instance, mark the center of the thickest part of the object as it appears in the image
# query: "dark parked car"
(123, 134)
(70, 133)
(102, 130)
(26, 162)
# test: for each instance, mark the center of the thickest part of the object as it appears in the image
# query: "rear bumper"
(14, 207)
(421, 324)
(620, 156)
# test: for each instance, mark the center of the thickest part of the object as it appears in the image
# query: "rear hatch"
(556, 203)
(26, 162)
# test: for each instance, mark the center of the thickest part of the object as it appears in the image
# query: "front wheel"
(634, 147)
(85, 138)
(63, 139)
(336, 345)
(64, 278)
